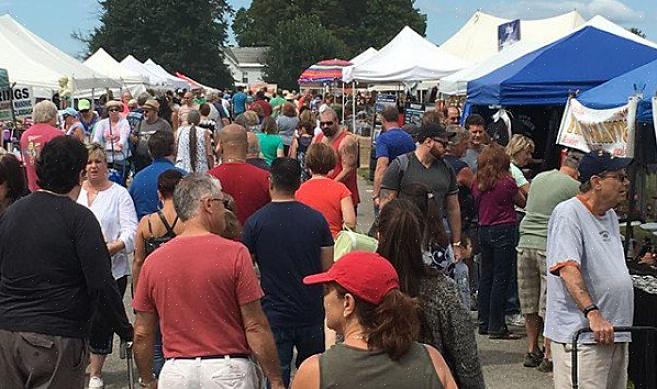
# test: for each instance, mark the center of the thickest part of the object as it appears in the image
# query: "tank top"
(351, 181)
(347, 367)
(153, 242)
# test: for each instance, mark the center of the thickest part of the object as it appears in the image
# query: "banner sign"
(23, 99)
(382, 100)
(589, 129)
(508, 34)
(413, 114)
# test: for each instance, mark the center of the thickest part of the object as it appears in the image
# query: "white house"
(246, 64)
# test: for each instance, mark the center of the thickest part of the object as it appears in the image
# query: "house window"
(245, 77)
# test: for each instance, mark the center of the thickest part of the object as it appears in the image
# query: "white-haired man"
(205, 293)
(33, 140)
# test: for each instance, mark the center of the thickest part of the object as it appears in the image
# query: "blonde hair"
(96, 151)
(517, 144)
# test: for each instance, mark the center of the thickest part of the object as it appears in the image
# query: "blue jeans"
(498, 245)
(307, 340)
(158, 353)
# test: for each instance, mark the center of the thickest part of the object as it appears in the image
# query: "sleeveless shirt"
(350, 181)
(347, 367)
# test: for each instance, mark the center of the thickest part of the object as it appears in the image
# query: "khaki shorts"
(599, 366)
(532, 281)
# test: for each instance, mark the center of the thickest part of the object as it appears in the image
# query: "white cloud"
(614, 10)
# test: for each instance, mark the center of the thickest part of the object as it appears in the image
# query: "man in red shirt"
(346, 149)
(206, 295)
(33, 140)
(262, 102)
(247, 184)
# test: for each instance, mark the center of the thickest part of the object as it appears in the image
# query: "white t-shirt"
(594, 244)
(115, 211)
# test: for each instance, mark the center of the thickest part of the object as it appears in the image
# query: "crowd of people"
(221, 214)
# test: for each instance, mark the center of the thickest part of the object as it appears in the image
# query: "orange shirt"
(324, 195)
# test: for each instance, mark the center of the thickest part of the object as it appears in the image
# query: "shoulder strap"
(404, 160)
(173, 226)
(164, 221)
(150, 228)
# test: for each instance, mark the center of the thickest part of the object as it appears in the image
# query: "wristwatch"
(148, 384)
(589, 309)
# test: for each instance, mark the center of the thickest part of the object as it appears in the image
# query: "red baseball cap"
(366, 275)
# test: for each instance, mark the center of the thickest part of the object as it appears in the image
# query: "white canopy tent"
(407, 57)
(364, 56)
(154, 79)
(477, 39)
(104, 63)
(172, 81)
(457, 83)
(31, 61)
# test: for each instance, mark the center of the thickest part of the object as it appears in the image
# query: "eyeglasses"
(441, 141)
(224, 201)
(620, 177)
(325, 124)
(115, 110)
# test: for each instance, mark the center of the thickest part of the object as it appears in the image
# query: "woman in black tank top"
(159, 227)
(379, 323)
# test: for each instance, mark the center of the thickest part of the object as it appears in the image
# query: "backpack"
(153, 243)
(347, 241)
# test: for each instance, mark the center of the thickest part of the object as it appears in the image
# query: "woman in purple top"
(495, 193)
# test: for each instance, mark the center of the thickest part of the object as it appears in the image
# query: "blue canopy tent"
(615, 92)
(577, 62)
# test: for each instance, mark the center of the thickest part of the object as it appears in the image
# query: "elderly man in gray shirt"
(588, 283)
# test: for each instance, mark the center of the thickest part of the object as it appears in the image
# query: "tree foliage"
(636, 31)
(295, 45)
(185, 37)
(353, 26)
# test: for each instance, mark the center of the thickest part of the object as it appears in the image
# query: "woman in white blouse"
(113, 134)
(115, 211)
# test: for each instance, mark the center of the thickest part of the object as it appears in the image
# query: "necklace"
(52, 193)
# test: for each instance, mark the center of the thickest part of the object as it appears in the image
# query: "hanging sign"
(508, 34)
(589, 129)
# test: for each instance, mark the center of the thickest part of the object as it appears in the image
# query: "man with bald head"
(253, 152)
(186, 106)
(247, 184)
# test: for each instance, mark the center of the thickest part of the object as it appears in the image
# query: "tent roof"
(364, 56)
(193, 83)
(456, 84)
(32, 61)
(407, 57)
(171, 80)
(328, 70)
(104, 63)
(477, 39)
(154, 79)
(580, 61)
(615, 92)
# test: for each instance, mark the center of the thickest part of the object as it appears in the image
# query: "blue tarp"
(615, 92)
(579, 61)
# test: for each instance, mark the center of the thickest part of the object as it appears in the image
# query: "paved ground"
(501, 359)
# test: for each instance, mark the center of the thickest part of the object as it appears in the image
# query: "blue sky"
(56, 20)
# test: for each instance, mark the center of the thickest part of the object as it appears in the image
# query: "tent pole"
(353, 106)
(343, 102)
(636, 165)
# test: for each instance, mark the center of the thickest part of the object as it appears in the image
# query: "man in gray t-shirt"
(426, 167)
(147, 127)
(588, 283)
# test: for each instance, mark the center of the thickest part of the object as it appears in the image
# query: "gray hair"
(331, 111)
(572, 159)
(194, 117)
(190, 190)
(44, 112)
(142, 98)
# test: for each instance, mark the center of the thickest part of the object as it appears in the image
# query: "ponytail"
(392, 326)
(193, 158)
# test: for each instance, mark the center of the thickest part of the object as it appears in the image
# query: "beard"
(330, 131)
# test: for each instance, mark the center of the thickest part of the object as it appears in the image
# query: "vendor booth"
(171, 81)
(36, 64)
(155, 80)
(102, 62)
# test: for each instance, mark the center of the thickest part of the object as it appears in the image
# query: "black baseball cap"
(432, 130)
(596, 162)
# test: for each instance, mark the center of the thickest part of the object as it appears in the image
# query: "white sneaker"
(516, 320)
(96, 383)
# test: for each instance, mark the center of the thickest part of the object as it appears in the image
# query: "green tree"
(295, 45)
(185, 38)
(359, 24)
(636, 31)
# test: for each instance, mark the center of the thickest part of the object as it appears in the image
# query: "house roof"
(247, 55)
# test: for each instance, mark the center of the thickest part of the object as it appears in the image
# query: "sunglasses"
(441, 141)
(325, 124)
(115, 110)
(84, 110)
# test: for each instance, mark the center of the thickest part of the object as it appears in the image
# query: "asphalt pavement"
(501, 359)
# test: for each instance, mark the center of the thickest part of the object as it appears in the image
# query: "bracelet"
(589, 309)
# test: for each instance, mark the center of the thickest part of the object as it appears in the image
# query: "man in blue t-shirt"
(289, 241)
(143, 189)
(392, 143)
(239, 101)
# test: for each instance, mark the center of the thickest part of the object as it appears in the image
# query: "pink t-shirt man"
(32, 142)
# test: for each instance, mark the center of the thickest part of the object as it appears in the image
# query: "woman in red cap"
(379, 323)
